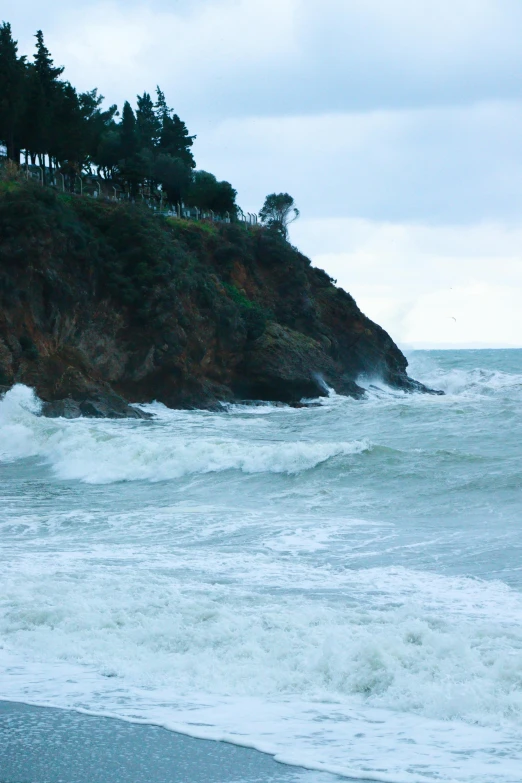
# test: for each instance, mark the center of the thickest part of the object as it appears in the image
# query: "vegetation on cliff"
(104, 299)
(44, 120)
(100, 297)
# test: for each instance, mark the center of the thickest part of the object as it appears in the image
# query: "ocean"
(339, 586)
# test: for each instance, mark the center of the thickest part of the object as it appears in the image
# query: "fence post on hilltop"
(227, 217)
(59, 174)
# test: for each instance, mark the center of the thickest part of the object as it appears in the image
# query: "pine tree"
(128, 137)
(12, 83)
(176, 141)
(147, 124)
(161, 108)
(68, 146)
(129, 165)
(43, 96)
(96, 123)
(174, 138)
(44, 64)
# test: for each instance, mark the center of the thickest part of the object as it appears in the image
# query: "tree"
(43, 92)
(278, 212)
(174, 176)
(108, 153)
(128, 136)
(68, 142)
(207, 193)
(148, 125)
(174, 138)
(12, 82)
(96, 121)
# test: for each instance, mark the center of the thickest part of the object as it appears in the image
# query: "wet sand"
(46, 745)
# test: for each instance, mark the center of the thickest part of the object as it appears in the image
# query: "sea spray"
(337, 585)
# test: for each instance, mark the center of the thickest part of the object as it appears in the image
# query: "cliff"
(101, 301)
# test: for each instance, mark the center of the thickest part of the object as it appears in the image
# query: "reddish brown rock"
(102, 303)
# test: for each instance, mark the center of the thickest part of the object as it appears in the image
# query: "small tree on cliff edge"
(278, 212)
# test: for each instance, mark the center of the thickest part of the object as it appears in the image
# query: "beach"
(46, 745)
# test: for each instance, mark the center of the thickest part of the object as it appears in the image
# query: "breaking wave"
(97, 451)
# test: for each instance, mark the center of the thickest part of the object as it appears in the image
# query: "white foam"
(226, 618)
(97, 451)
(396, 665)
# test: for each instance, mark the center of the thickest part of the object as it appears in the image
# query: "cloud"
(430, 285)
(395, 124)
(225, 58)
(430, 165)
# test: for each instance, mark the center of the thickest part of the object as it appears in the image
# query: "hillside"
(101, 300)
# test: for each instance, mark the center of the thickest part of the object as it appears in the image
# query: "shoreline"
(54, 745)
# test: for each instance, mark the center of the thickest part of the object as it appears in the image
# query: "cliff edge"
(103, 303)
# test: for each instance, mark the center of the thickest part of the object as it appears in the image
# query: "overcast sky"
(395, 124)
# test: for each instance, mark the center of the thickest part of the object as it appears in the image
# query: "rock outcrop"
(103, 304)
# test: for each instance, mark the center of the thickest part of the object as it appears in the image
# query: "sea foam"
(101, 451)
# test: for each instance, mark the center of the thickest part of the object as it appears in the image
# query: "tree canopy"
(278, 212)
(147, 148)
(144, 151)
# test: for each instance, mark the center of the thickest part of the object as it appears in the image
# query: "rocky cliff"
(102, 303)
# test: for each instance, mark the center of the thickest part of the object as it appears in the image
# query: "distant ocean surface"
(340, 586)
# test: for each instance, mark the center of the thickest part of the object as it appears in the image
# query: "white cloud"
(395, 124)
(230, 57)
(429, 285)
(448, 165)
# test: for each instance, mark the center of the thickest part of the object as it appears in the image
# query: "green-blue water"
(338, 585)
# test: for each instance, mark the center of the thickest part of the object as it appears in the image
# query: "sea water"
(340, 585)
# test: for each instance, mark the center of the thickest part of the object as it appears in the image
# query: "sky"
(396, 125)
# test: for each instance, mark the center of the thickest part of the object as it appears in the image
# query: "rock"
(410, 385)
(65, 409)
(103, 407)
(147, 309)
(284, 365)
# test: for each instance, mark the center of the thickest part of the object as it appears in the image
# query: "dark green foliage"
(145, 155)
(12, 99)
(42, 98)
(128, 254)
(128, 133)
(208, 194)
(148, 126)
(253, 314)
(278, 212)
(174, 176)
(108, 153)
(69, 145)
(174, 138)
(97, 123)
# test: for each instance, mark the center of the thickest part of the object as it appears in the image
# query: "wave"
(466, 382)
(398, 662)
(101, 451)
(444, 648)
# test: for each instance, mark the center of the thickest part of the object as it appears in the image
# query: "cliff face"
(100, 301)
